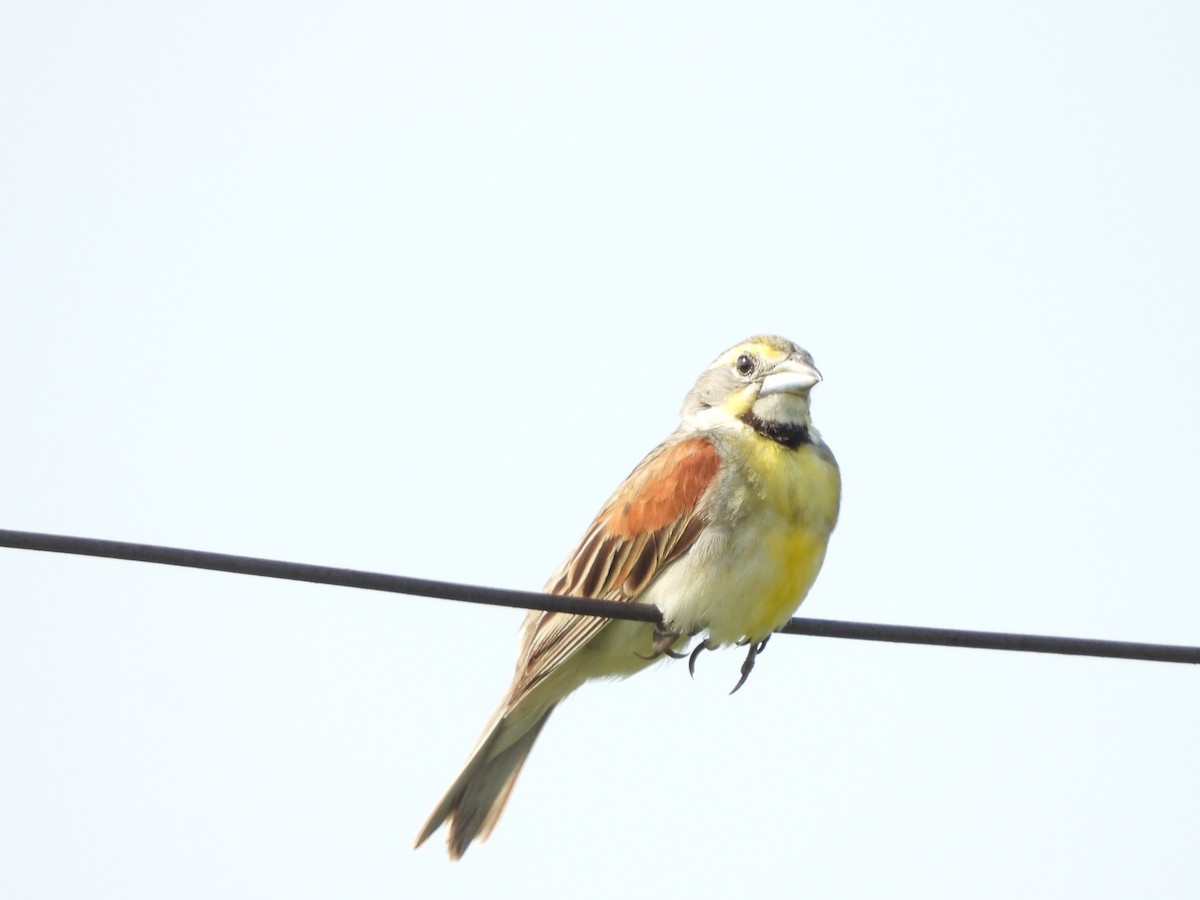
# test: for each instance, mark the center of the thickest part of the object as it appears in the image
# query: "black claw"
(748, 665)
(745, 674)
(700, 647)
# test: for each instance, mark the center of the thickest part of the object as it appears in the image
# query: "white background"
(411, 286)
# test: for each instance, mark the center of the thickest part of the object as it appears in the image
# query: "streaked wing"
(652, 519)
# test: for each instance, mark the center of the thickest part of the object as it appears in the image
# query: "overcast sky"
(411, 287)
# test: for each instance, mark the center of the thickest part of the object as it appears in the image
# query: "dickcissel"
(723, 527)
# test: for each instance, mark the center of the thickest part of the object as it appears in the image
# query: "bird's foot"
(663, 642)
(756, 647)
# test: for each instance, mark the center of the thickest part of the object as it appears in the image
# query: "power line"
(445, 590)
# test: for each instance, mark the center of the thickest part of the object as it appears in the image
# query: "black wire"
(445, 590)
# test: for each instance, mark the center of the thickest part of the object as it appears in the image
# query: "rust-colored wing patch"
(664, 488)
(651, 520)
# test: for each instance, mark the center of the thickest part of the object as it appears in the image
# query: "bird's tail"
(477, 797)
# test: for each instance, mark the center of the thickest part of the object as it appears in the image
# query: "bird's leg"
(662, 645)
(756, 647)
(703, 645)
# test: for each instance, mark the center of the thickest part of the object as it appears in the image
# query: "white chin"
(782, 408)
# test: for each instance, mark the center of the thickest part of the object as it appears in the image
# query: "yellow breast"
(791, 507)
(770, 524)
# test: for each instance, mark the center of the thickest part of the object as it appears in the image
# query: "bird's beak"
(790, 377)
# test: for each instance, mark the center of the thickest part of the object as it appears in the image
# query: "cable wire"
(445, 590)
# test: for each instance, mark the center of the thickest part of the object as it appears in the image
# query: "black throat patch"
(790, 434)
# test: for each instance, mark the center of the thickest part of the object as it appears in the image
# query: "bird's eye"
(744, 364)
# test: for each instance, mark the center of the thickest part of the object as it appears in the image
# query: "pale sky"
(411, 287)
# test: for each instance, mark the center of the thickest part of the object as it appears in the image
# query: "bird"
(723, 527)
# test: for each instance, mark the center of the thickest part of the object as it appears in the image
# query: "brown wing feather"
(652, 519)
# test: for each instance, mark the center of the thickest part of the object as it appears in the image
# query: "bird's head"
(764, 380)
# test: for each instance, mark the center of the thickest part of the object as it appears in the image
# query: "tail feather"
(474, 802)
